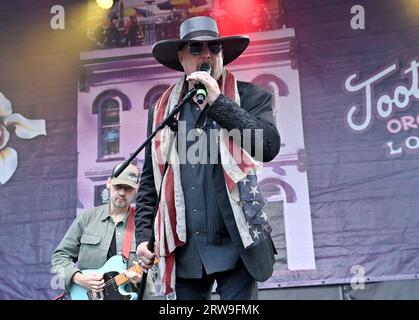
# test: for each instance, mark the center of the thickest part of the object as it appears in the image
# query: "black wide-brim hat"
(198, 29)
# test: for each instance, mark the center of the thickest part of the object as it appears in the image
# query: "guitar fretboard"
(122, 278)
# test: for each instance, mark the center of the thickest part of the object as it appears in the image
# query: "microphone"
(201, 92)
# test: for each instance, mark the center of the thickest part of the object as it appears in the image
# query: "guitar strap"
(129, 233)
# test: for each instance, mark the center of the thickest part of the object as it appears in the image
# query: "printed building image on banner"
(119, 85)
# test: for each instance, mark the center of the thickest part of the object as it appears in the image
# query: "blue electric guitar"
(114, 280)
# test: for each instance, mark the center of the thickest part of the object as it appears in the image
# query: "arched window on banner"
(153, 95)
(109, 125)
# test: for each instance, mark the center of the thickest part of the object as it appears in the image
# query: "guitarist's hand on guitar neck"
(91, 281)
(145, 256)
(133, 276)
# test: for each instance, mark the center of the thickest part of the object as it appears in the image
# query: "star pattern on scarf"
(264, 216)
(252, 203)
(254, 190)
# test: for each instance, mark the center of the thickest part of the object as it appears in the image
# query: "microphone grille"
(205, 67)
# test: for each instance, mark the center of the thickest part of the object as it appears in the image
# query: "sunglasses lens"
(215, 48)
(195, 48)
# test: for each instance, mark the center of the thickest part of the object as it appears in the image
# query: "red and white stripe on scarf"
(170, 224)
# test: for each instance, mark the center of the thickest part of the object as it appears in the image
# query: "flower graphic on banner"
(24, 129)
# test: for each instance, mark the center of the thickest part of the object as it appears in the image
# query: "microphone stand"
(172, 123)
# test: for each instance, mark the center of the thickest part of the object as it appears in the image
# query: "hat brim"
(166, 51)
(116, 181)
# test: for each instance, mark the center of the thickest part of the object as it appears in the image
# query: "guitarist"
(100, 233)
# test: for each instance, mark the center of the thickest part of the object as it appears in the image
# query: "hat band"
(200, 33)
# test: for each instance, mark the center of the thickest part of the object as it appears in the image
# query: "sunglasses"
(195, 48)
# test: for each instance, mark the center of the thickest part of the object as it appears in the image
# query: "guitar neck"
(121, 278)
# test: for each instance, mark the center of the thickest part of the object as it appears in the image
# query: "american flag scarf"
(240, 176)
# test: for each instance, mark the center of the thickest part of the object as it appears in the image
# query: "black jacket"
(255, 112)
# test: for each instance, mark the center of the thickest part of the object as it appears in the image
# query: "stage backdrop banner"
(342, 195)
